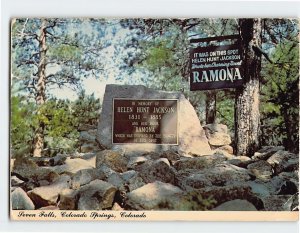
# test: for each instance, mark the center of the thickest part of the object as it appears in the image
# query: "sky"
(112, 56)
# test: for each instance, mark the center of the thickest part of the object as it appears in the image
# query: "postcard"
(154, 119)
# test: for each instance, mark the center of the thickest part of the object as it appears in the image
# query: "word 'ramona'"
(217, 75)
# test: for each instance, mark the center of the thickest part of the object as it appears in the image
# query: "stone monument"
(136, 119)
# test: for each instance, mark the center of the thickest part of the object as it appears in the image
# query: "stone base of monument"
(136, 119)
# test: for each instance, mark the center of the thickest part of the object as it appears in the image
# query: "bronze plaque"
(145, 121)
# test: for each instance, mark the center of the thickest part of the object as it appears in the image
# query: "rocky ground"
(98, 179)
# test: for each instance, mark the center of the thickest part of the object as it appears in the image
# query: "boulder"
(84, 176)
(43, 183)
(15, 181)
(28, 169)
(217, 134)
(284, 184)
(159, 170)
(97, 195)
(48, 195)
(199, 162)
(172, 156)
(68, 199)
(103, 172)
(116, 180)
(284, 161)
(231, 192)
(112, 159)
(59, 159)
(261, 170)
(20, 200)
(190, 181)
(134, 161)
(88, 147)
(218, 139)
(42, 161)
(152, 196)
(132, 180)
(278, 202)
(266, 152)
(191, 136)
(128, 175)
(226, 148)
(223, 174)
(72, 166)
(236, 205)
(261, 188)
(240, 161)
(134, 183)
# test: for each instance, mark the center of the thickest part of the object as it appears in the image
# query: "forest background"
(60, 68)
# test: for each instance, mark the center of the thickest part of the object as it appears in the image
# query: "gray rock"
(159, 170)
(223, 174)
(240, 161)
(132, 180)
(72, 166)
(284, 161)
(42, 161)
(59, 159)
(151, 196)
(68, 199)
(88, 147)
(190, 181)
(83, 177)
(199, 162)
(218, 139)
(134, 161)
(103, 172)
(134, 183)
(20, 200)
(278, 202)
(128, 175)
(288, 184)
(217, 134)
(15, 181)
(261, 188)
(97, 195)
(236, 205)
(231, 192)
(226, 148)
(26, 168)
(266, 152)
(191, 139)
(116, 180)
(43, 182)
(261, 170)
(48, 195)
(223, 154)
(172, 156)
(112, 159)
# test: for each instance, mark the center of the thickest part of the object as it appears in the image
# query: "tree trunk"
(210, 107)
(247, 116)
(40, 90)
